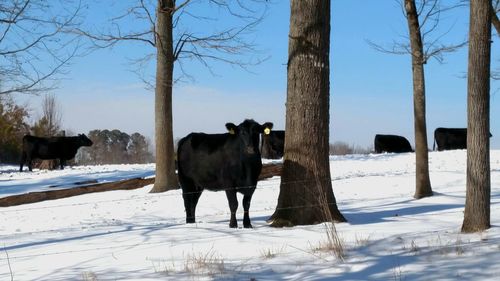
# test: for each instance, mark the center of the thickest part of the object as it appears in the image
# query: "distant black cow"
(229, 162)
(391, 143)
(273, 143)
(450, 138)
(62, 148)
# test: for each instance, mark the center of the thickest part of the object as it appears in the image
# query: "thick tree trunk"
(166, 178)
(477, 204)
(306, 195)
(423, 182)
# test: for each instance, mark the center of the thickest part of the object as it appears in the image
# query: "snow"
(135, 235)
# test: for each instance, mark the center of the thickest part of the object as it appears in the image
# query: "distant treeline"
(342, 148)
(115, 147)
(13, 126)
(110, 147)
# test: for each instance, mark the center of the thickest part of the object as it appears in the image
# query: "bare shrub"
(164, 267)
(272, 252)
(362, 241)
(89, 276)
(343, 148)
(209, 263)
(340, 148)
(333, 242)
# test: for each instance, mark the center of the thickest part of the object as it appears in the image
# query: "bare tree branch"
(181, 6)
(34, 45)
(109, 40)
(494, 18)
(192, 41)
(32, 83)
(429, 12)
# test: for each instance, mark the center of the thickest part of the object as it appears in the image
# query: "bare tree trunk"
(306, 181)
(423, 183)
(49, 125)
(53, 115)
(477, 203)
(166, 178)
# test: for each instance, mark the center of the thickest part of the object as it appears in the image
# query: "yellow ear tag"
(267, 131)
(231, 131)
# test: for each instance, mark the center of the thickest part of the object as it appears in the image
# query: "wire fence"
(176, 221)
(413, 248)
(171, 222)
(459, 247)
(214, 218)
(171, 193)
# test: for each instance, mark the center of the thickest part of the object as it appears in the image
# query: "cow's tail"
(24, 156)
(434, 145)
(178, 156)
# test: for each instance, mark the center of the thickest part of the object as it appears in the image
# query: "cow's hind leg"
(23, 159)
(30, 163)
(246, 207)
(190, 201)
(233, 206)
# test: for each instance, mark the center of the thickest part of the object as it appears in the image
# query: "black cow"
(229, 162)
(62, 148)
(391, 143)
(450, 138)
(273, 143)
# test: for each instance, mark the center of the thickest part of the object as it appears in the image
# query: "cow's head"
(248, 132)
(83, 140)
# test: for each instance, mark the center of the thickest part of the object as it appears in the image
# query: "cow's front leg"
(233, 206)
(246, 208)
(190, 202)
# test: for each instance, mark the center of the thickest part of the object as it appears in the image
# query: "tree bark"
(477, 203)
(306, 195)
(423, 184)
(166, 178)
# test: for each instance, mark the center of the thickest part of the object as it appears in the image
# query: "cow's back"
(37, 147)
(214, 162)
(450, 138)
(273, 144)
(391, 143)
(50, 148)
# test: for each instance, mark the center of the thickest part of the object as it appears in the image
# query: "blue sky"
(371, 92)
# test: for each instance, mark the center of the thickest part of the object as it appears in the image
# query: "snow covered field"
(134, 235)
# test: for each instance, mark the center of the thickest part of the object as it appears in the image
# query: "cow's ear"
(231, 128)
(266, 128)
